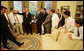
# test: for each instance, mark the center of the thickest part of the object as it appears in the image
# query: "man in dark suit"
(44, 15)
(62, 21)
(58, 13)
(39, 21)
(44, 12)
(5, 31)
(38, 11)
(27, 20)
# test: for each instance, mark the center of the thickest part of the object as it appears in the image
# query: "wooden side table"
(34, 27)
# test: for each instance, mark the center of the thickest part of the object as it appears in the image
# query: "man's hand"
(9, 26)
(30, 22)
(43, 24)
(36, 19)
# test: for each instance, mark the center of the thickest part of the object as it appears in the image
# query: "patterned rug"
(29, 44)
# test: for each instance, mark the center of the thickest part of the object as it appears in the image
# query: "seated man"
(78, 32)
(68, 26)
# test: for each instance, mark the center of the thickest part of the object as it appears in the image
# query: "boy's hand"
(65, 31)
(70, 36)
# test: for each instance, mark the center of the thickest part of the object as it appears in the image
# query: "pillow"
(61, 34)
(67, 43)
(55, 34)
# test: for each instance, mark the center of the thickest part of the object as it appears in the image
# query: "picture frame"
(66, 7)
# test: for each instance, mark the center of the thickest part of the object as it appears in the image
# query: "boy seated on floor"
(78, 31)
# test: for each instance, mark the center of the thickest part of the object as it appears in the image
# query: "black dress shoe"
(39, 34)
(31, 34)
(21, 44)
(7, 43)
(7, 47)
(43, 34)
(27, 33)
(22, 34)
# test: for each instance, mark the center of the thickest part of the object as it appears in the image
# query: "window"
(18, 6)
(33, 7)
(48, 5)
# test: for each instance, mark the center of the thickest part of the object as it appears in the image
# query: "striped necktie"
(78, 34)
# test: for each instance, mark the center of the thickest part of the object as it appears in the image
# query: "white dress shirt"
(55, 21)
(6, 16)
(12, 18)
(74, 36)
(69, 24)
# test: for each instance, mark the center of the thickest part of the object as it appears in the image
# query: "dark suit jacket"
(4, 25)
(40, 18)
(26, 19)
(59, 15)
(36, 15)
(62, 21)
(44, 16)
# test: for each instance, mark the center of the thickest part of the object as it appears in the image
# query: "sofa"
(57, 40)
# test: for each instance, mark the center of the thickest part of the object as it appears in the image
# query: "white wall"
(79, 3)
(72, 5)
(4, 3)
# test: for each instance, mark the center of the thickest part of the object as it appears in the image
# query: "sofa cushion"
(55, 34)
(61, 34)
(67, 43)
(48, 43)
(47, 35)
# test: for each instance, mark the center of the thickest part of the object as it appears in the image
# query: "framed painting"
(65, 7)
